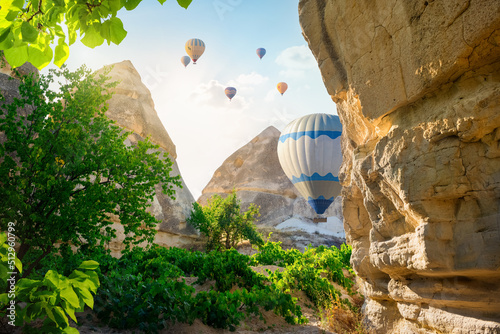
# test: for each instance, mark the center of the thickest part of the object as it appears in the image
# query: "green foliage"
(8, 260)
(227, 269)
(52, 299)
(271, 253)
(65, 168)
(223, 224)
(138, 301)
(146, 289)
(30, 28)
(311, 271)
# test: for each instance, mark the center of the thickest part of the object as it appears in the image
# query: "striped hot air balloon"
(309, 153)
(230, 92)
(261, 52)
(282, 87)
(195, 48)
(185, 60)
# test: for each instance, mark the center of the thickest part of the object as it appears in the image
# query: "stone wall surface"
(417, 88)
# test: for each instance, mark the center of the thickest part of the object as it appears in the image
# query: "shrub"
(223, 224)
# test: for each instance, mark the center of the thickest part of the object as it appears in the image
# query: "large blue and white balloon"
(309, 153)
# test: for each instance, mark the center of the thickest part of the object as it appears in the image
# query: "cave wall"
(417, 88)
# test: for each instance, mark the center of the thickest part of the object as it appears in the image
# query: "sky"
(201, 121)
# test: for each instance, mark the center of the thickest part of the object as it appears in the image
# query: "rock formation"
(133, 109)
(417, 88)
(255, 173)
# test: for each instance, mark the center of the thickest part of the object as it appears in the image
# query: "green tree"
(223, 224)
(29, 28)
(64, 168)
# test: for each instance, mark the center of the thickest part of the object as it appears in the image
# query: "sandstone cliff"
(133, 108)
(417, 87)
(255, 173)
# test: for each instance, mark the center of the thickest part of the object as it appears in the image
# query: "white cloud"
(271, 95)
(297, 58)
(252, 79)
(212, 94)
(292, 73)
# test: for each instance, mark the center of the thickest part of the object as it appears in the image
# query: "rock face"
(255, 173)
(132, 108)
(417, 87)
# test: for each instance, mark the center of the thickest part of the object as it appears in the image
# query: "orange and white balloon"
(282, 87)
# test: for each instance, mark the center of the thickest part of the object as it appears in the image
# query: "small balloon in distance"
(230, 92)
(185, 60)
(261, 52)
(282, 87)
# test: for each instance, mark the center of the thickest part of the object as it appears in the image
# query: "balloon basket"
(319, 220)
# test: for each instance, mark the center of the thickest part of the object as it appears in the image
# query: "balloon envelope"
(185, 60)
(309, 153)
(195, 48)
(230, 92)
(261, 52)
(282, 87)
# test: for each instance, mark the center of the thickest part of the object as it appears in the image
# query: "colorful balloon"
(195, 48)
(261, 52)
(230, 92)
(185, 60)
(309, 153)
(282, 87)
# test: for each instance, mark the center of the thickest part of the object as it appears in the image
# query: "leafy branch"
(34, 31)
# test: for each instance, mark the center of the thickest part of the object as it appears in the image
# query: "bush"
(223, 224)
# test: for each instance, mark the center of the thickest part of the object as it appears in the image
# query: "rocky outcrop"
(133, 109)
(255, 173)
(24, 69)
(417, 87)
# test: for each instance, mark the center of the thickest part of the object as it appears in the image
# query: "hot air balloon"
(261, 52)
(282, 87)
(230, 92)
(195, 48)
(185, 60)
(309, 153)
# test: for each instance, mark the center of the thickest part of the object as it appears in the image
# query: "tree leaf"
(52, 279)
(16, 56)
(29, 32)
(92, 38)
(89, 265)
(184, 3)
(61, 54)
(116, 31)
(131, 4)
(70, 310)
(86, 296)
(69, 295)
(39, 57)
(115, 6)
(4, 33)
(70, 330)
(60, 317)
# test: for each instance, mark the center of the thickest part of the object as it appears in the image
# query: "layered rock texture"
(417, 87)
(133, 109)
(255, 173)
